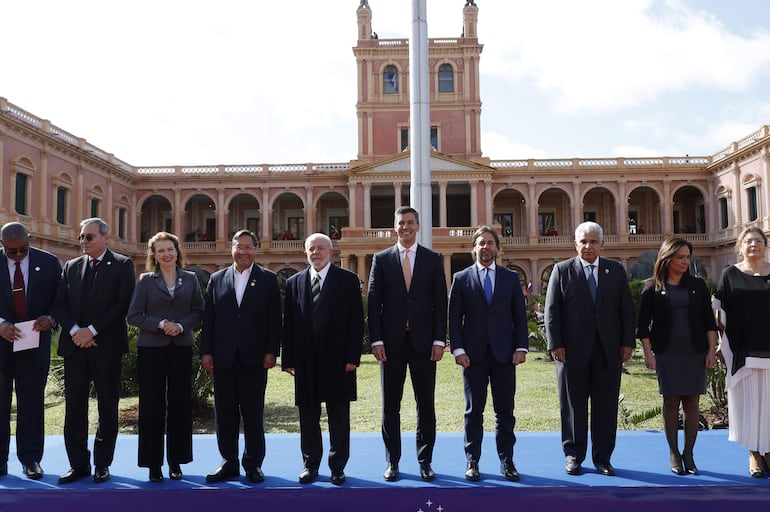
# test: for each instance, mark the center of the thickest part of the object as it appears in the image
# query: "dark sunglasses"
(87, 237)
(14, 252)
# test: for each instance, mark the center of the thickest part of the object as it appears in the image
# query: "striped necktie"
(315, 290)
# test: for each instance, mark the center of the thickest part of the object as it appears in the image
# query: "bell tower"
(383, 90)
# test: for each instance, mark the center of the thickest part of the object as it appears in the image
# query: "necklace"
(749, 269)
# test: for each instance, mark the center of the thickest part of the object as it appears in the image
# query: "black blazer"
(573, 321)
(318, 342)
(654, 320)
(43, 281)
(152, 303)
(250, 330)
(473, 323)
(107, 303)
(424, 305)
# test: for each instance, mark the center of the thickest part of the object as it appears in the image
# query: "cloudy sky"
(189, 82)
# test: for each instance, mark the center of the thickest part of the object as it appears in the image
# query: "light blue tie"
(592, 282)
(487, 286)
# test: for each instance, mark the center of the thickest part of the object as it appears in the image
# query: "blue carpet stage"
(641, 461)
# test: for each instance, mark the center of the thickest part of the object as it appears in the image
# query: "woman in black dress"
(678, 332)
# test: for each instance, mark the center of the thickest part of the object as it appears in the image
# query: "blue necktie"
(315, 290)
(592, 282)
(487, 286)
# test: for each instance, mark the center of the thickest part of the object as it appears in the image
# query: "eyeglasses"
(14, 252)
(87, 237)
(244, 248)
(752, 241)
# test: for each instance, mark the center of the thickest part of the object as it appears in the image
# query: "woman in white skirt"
(743, 294)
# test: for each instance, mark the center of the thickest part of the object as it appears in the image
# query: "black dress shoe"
(175, 472)
(33, 471)
(308, 475)
(101, 474)
(472, 471)
(338, 477)
(391, 473)
(156, 475)
(605, 468)
(426, 472)
(226, 471)
(75, 474)
(255, 475)
(3, 469)
(573, 466)
(508, 470)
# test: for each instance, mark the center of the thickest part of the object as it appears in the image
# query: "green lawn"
(537, 407)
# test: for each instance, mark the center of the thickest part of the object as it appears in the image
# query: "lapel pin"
(606, 271)
(109, 263)
(37, 269)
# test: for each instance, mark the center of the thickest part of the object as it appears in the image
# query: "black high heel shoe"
(676, 464)
(689, 464)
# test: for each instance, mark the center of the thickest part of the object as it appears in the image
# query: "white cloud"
(605, 55)
(499, 146)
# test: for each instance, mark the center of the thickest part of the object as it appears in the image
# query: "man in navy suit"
(407, 326)
(323, 329)
(589, 322)
(488, 333)
(29, 278)
(239, 343)
(91, 306)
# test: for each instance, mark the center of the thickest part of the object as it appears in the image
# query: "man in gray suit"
(589, 321)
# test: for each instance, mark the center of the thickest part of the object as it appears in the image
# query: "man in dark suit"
(239, 343)
(488, 333)
(91, 305)
(29, 278)
(407, 326)
(323, 329)
(589, 321)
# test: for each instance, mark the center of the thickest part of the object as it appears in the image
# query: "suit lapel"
(303, 290)
(5, 279)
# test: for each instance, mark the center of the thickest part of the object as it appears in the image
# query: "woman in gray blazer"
(166, 307)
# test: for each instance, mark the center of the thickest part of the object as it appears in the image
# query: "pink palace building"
(51, 179)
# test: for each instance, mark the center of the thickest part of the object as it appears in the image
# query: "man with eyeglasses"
(239, 343)
(91, 306)
(29, 278)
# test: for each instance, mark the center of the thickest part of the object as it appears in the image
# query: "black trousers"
(311, 442)
(239, 392)
(80, 368)
(393, 375)
(165, 404)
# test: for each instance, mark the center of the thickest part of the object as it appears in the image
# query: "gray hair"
(104, 228)
(589, 227)
(316, 236)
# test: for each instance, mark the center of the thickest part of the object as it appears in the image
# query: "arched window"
(390, 80)
(446, 78)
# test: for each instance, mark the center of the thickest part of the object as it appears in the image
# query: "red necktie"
(19, 297)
